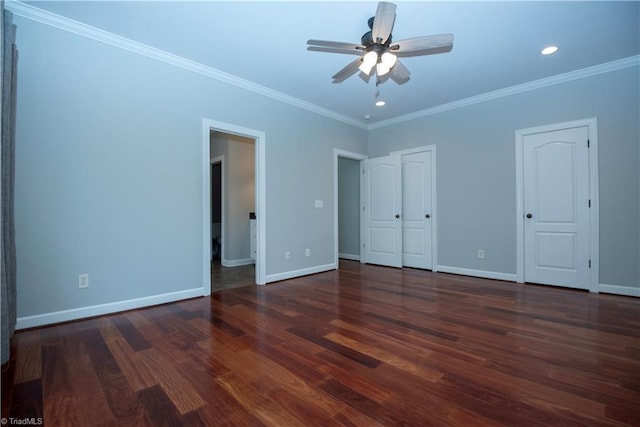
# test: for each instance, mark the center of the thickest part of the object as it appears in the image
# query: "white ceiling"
(496, 45)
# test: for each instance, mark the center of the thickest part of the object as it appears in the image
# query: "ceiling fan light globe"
(370, 58)
(366, 68)
(382, 69)
(389, 59)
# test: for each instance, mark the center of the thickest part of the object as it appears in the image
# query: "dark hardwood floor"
(360, 346)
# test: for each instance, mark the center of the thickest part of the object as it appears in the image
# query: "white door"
(417, 210)
(556, 207)
(382, 205)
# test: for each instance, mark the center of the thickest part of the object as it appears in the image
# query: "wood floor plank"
(362, 345)
(130, 333)
(257, 404)
(220, 406)
(120, 396)
(158, 408)
(28, 358)
(352, 377)
(90, 394)
(27, 401)
(137, 374)
(386, 357)
(172, 382)
(347, 352)
(60, 400)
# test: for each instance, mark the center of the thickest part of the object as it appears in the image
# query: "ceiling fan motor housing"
(367, 38)
(367, 41)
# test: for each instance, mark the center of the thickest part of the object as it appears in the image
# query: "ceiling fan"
(378, 51)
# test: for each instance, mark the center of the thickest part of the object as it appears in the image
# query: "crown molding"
(39, 15)
(632, 61)
(48, 18)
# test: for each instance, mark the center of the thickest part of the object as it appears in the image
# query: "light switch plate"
(319, 204)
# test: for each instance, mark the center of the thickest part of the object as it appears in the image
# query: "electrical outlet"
(480, 253)
(83, 281)
(307, 252)
(287, 255)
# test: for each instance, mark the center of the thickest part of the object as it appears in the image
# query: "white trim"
(631, 291)
(477, 273)
(594, 212)
(302, 272)
(607, 67)
(260, 176)
(236, 262)
(351, 257)
(48, 18)
(206, 208)
(347, 155)
(98, 310)
(434, 197)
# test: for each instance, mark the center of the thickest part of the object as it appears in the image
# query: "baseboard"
(98, 310)
(237, 262)
(297, 273)
(619, 290)
(349, 256)
(477, 273)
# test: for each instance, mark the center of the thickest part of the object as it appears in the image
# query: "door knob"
(529, 216)
(427, 216)
(397, 215)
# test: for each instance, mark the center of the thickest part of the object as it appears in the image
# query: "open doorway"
(233, 207)
(347, 224)
(216, 208)
(241, 237)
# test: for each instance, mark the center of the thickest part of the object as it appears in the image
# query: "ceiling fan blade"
(409, 53)
(423, 43)
(347, 71)
(399, 73)
(337, 45)
(334, 50)
(365, 77)
(383, 22)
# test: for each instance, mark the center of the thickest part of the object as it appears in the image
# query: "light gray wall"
(109, 172)
(109, 177)
(476, 169)
(239, 194)
(348, 206)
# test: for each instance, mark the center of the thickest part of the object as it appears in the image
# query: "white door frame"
(592, 125)
(260, 175)
(347, 155)
(434, 198)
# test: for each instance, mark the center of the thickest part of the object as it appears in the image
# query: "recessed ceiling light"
(380, 103)
(549, 50)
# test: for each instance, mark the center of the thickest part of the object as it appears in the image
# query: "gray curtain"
(8, 250)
